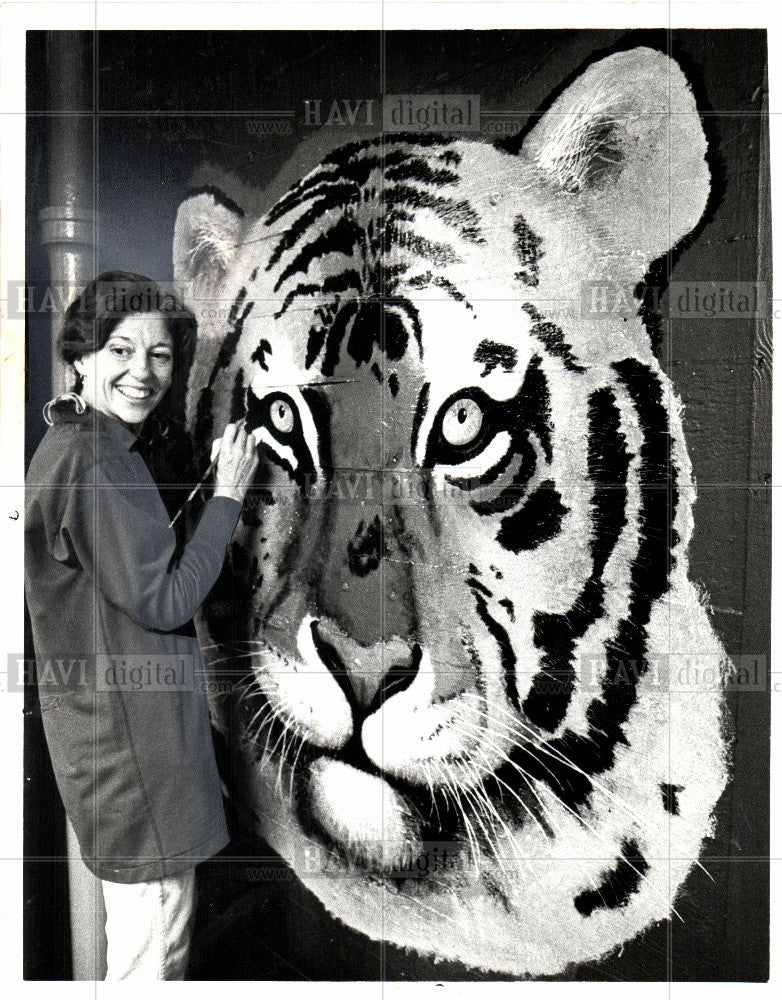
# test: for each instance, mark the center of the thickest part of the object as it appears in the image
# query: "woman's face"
(130, 374)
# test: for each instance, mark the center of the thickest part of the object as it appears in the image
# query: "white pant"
(148, 927)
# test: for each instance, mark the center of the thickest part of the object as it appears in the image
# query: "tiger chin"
(457, 598)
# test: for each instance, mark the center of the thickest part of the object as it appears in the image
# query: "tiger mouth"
(361, 817)
(319, 778)
(371, 821)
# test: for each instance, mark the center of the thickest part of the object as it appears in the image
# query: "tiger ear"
(625, 146)
(206, 236)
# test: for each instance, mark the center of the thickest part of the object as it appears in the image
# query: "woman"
(112, 596)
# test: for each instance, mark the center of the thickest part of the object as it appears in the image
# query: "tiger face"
(457, 593)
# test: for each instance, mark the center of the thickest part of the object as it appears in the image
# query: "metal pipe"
(68, 232)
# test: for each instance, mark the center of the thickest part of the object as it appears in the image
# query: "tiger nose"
(368, 675)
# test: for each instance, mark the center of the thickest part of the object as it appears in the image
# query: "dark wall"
(172, 107)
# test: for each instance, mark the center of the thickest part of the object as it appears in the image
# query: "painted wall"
(164, 123)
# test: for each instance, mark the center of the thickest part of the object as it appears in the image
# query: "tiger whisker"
(612, 847)
(528, 732)
(490, 770)
(473, 843)
(281, 737)
(282, 757)
(511, 837)
(607, 843)
(233, 642)
(514, 721)
(302, 742)
(501, 754)
(265, 706)
(472, 797)
(235, 657)
(274, 715)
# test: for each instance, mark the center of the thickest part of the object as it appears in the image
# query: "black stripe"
(231, 342)
(527, 247)
(417, 169)
(306, 189)
(670, 794)
(381, 241)
(452, 290)
(260, 352)
(335, 336)
(552, 338)
(354, 168)
(594, 753)
(338, 196)
(238, 403)
(441, 254)
(458, 214)
(203, 423)
(301, 290)
(204, 418)
(345, 280)
(219, 196)
(507, 655)
(366, 548)
(359, 167)
(355, 161)
(557, 634)
(413, 317)
(418, 417)
(488, 477)
(489, 353)
(511, 495)
(231, 339)
(427, 278)
(422, 140)
(383, 277)
(618, 885)
(340, 238)
(477, 585)
(376, 324)
(538, 521)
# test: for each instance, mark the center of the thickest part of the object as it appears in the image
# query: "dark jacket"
(119, 669)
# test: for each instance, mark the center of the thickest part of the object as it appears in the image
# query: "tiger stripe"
(566, 762)
(618, 885)
(204, 417)
(557, 634)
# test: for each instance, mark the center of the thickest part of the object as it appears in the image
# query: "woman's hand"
(236, 463)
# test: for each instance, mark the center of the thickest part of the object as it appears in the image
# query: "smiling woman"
(110, 585)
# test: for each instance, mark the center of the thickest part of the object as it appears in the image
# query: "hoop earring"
(65, 397)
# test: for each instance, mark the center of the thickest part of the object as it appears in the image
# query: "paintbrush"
(202, 482)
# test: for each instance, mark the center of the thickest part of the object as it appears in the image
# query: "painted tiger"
(460, 596)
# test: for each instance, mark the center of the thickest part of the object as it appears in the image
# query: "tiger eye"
(282, 416)
(462, 422)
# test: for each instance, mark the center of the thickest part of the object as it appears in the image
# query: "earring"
(65, 397)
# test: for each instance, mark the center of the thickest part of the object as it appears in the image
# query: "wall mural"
(458, 591)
